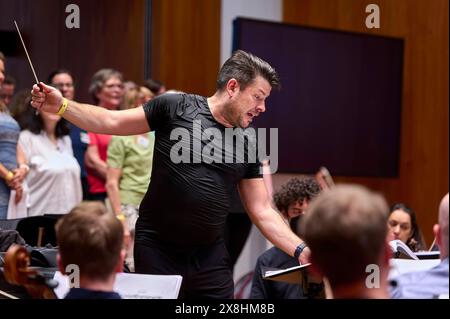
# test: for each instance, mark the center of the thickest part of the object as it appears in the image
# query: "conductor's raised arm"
(89, 117)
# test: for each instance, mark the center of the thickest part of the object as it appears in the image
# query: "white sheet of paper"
(134, 286)
(399, 246)
(271, 273)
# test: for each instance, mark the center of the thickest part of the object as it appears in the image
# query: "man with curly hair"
(291, 200)
(294, 197)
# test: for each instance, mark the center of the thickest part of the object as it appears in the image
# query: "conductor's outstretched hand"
(46, 98)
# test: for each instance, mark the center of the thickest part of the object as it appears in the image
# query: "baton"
(28, 56)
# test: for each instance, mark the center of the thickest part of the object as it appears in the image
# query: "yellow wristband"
(63, 107)
(121, 217)
(9, 176)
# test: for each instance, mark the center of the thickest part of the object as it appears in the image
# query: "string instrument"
(324, 178)
(17, 271)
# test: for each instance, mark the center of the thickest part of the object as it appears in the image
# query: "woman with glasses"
(107, 90)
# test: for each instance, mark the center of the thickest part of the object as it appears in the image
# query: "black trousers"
(205, 270)
(237, 229)
(97, 196)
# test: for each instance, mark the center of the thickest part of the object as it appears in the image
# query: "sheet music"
(402, 250)
(134, 286)
(293, 275)
(272, 273)
(428, 255)
(138, 286)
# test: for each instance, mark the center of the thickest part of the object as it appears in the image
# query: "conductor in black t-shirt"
(181, 218)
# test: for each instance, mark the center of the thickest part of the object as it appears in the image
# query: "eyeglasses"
(62, 85)
(5, 96)
(110, 86)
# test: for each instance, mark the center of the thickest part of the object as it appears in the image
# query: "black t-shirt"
(188, 197)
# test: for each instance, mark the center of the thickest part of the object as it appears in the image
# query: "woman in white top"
(54, 177)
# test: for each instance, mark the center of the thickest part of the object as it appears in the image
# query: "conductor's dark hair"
(58, 71)
(245, 67)
(32, 121)
(153, 85)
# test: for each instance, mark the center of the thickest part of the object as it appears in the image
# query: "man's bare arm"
(89, 117)
(99, 120)
(254, 198)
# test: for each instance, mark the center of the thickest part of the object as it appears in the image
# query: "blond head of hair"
(91, 238)
(345, 229)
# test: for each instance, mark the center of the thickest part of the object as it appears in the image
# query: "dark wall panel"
(326, 74)
(424, 141)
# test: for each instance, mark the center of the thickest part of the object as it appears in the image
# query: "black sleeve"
(161, 110)
(254, 168)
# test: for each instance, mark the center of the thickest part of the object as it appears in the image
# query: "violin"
(324, 178)
(17, 271)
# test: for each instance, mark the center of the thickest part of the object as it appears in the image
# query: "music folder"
(292, 275)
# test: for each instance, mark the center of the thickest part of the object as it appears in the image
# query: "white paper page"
(399, 246)
(281, 271)
(134, 286)
(63, 285)
(137, 286)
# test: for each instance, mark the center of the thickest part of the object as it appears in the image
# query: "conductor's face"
(248, 103)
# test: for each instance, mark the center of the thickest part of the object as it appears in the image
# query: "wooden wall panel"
(424, 160)
(111, 34)
(33, 19)
(186, 44)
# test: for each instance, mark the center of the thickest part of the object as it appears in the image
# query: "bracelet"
(63, 107)
(299, 250)
(120, 217)
(9, 176)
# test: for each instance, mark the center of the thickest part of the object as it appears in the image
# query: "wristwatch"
(299, 250)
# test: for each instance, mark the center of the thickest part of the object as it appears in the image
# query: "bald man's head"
(443, 227)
